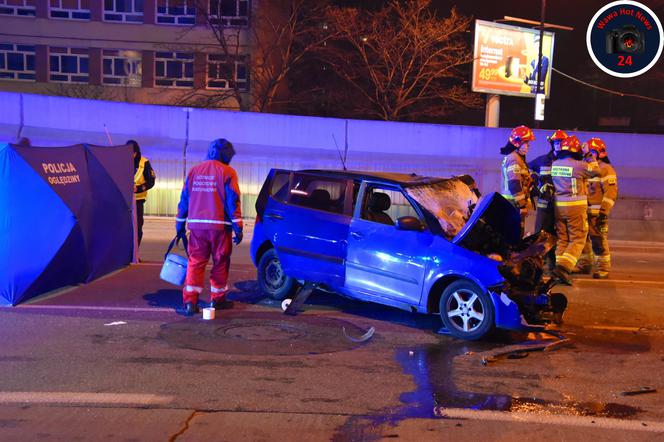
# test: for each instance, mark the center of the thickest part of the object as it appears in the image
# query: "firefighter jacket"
(603, 190)
(144, 177)
(516, 181)
(570, 178)
(210, 198)
(541, 172)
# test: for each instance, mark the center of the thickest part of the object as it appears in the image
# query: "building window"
(24, 8)
(121, 68)
(229, 12)
(68, 65)
(70, 9)
(174, 69)
(17, 62)
(176, 12)
(221, 69)
(130, 11)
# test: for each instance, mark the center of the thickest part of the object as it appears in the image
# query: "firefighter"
(516, 181)
(570, 172)
(602, 194)
(540, 169)
(210, 205)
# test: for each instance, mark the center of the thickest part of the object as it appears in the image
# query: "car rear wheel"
(271, 279)
(466, 310)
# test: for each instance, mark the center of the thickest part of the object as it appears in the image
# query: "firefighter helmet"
(598, 146)
(571, 144)
(558, 135)
(520, 135)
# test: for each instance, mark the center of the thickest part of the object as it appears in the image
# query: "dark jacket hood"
(221, 150)
(508, 148)
(137, 150)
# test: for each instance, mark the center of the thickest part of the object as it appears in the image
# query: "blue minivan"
(421, 244)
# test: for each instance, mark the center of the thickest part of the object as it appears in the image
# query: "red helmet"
(598, 146)
(557, 135)
(520, 135)
(571, 144)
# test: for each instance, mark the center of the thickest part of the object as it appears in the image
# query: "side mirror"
(409, 223)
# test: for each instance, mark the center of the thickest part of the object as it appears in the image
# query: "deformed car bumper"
(533, 313)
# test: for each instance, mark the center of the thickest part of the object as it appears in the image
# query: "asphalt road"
(112, 360)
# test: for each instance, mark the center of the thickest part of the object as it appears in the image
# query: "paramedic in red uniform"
(210, 205)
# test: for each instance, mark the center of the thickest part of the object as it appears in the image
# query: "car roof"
(390, 177)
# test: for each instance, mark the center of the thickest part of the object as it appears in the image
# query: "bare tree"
(280, 44)
(280, 35)
(402, 61)
(229, 52)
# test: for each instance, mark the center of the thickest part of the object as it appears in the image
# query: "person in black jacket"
(144, 179)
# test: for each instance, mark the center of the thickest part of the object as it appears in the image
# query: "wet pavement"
(117, 351)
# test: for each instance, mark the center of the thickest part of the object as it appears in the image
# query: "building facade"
(144, 51)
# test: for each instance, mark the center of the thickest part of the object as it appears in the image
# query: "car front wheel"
(466, 310)
(271, 279)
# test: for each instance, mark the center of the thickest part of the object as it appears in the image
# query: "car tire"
(466, 310)
(271, 279)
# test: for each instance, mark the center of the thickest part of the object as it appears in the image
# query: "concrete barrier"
(264, 141)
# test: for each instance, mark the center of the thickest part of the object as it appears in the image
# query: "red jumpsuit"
(210, 203)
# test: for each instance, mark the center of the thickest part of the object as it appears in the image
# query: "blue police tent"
(65, 216)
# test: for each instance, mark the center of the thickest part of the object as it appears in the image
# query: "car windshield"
(451, 201)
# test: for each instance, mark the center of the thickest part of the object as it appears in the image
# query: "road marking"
(96, 308)
(551, 419)
(614, 328)
(53, 397)
(619, 281)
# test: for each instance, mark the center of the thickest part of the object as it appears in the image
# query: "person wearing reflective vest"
(602, 195)
(540, 169)
(144, 179)
(210, 206)
(570, 172)
(516, 182)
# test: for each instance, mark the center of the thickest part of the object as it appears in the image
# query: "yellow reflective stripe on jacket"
(583, 202)
(139, 178)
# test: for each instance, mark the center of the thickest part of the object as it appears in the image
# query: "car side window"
(279, 186)
(320, 193)
(385, 205)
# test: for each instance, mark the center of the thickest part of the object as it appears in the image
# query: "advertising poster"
(505, 60)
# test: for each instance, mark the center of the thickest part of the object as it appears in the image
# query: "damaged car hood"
(493, 227)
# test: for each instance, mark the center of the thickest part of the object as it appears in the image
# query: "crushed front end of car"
(490, 227)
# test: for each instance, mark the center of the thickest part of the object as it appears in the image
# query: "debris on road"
(642, 390)
(365, 337)
(522, 351)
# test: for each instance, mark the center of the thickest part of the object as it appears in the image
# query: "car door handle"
(356, 235)
(274, 216)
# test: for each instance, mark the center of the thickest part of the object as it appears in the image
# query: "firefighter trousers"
(597, 245)
(571, 232)
(204, 244)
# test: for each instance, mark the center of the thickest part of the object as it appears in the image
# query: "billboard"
(505, 60)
